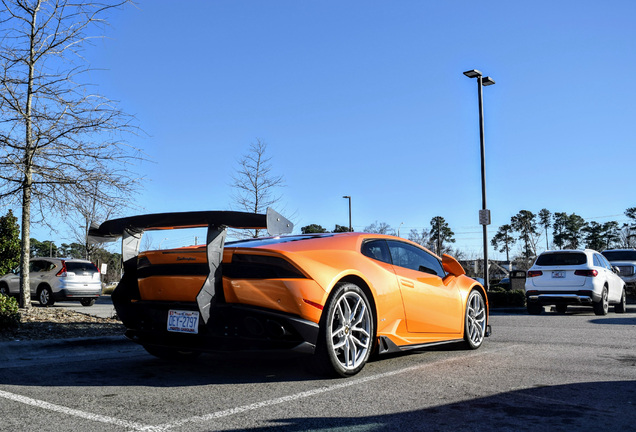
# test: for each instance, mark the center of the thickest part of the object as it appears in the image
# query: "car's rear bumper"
(582, 297)
(66, 294)
(231, 327)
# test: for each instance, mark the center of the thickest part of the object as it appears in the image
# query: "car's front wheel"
(621, 306)
(45, 296)
(4, 289)
(475, 320)
(602, 306)
(346, 332)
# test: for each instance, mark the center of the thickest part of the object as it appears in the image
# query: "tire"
(4, 289)
(535, 308)
(45, 296)
(88, 301)
(475, 320)
(347, 332)
(171, 354)
(621, 306)
(602, 306)
(561, 308)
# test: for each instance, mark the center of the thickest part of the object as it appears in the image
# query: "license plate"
(558, 274)
(183, 321)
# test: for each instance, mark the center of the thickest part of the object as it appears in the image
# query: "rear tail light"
(534, 273)
(62, 272)
(587, 273)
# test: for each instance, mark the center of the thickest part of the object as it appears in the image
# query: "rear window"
(561, 259)
(80, 267)
(620, 255)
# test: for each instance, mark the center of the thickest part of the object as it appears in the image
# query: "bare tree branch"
(62, 147)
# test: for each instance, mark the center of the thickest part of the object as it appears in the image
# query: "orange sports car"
(340, 297)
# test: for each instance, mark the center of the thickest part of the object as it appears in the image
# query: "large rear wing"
(131, 229)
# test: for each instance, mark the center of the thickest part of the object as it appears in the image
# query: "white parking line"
(224, 413)
(73, 412)
(280, 400)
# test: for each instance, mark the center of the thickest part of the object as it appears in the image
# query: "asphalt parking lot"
(549, 372)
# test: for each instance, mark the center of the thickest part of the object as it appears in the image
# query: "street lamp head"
(472, 73)
(486, 81)
(346, 196)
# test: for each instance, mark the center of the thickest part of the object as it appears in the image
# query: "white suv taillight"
(62, 272)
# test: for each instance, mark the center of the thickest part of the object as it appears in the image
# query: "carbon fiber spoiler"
(132, 228)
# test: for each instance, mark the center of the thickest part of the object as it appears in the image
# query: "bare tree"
(57, 138)
(254, 183)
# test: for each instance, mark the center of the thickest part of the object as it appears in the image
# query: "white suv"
(574, 277)
(54, 279)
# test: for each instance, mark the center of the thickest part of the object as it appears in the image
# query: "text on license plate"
(558, 274)
(183, 321)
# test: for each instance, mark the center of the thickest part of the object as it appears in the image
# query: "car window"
(628, 255)
(376, 249)
(79, 267)
(561, 258)
(606, 263)
(36, 266)
(411, 257)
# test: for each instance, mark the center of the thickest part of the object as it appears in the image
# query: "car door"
(37, 273)
(13, 281)
(614, 281)
(430, 306)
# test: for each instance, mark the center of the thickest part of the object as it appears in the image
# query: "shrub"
(499, 297)
(9, 316)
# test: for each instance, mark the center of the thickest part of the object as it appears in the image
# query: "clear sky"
(367, 99)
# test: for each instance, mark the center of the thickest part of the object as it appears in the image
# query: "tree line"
(561, 231)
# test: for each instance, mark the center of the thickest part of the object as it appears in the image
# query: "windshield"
(78, 267)
(626, 255)
(561, 258)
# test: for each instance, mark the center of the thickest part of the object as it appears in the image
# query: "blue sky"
(368, 99)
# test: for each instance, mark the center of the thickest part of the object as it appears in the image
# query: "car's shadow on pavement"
(581, 407)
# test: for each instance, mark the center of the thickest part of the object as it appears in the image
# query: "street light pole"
(350, 226)
(484, 213)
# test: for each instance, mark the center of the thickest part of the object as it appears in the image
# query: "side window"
(377, 250)
(414, 258)
(606, 263)
(35, 266)
(597, 262)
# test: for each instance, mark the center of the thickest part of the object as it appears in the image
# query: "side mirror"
(616, 270)
(452, 266)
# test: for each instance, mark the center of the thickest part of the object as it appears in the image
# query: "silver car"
(625, 260)
(574, 277)
(55, 279)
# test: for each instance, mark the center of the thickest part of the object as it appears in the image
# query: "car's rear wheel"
(535, 308)
(4, 289)
(170, 353)
(621, 306)
(602, 306)
(87, 301)
(346, 332)
(45, 296)
(561, 308)
(475, 320)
